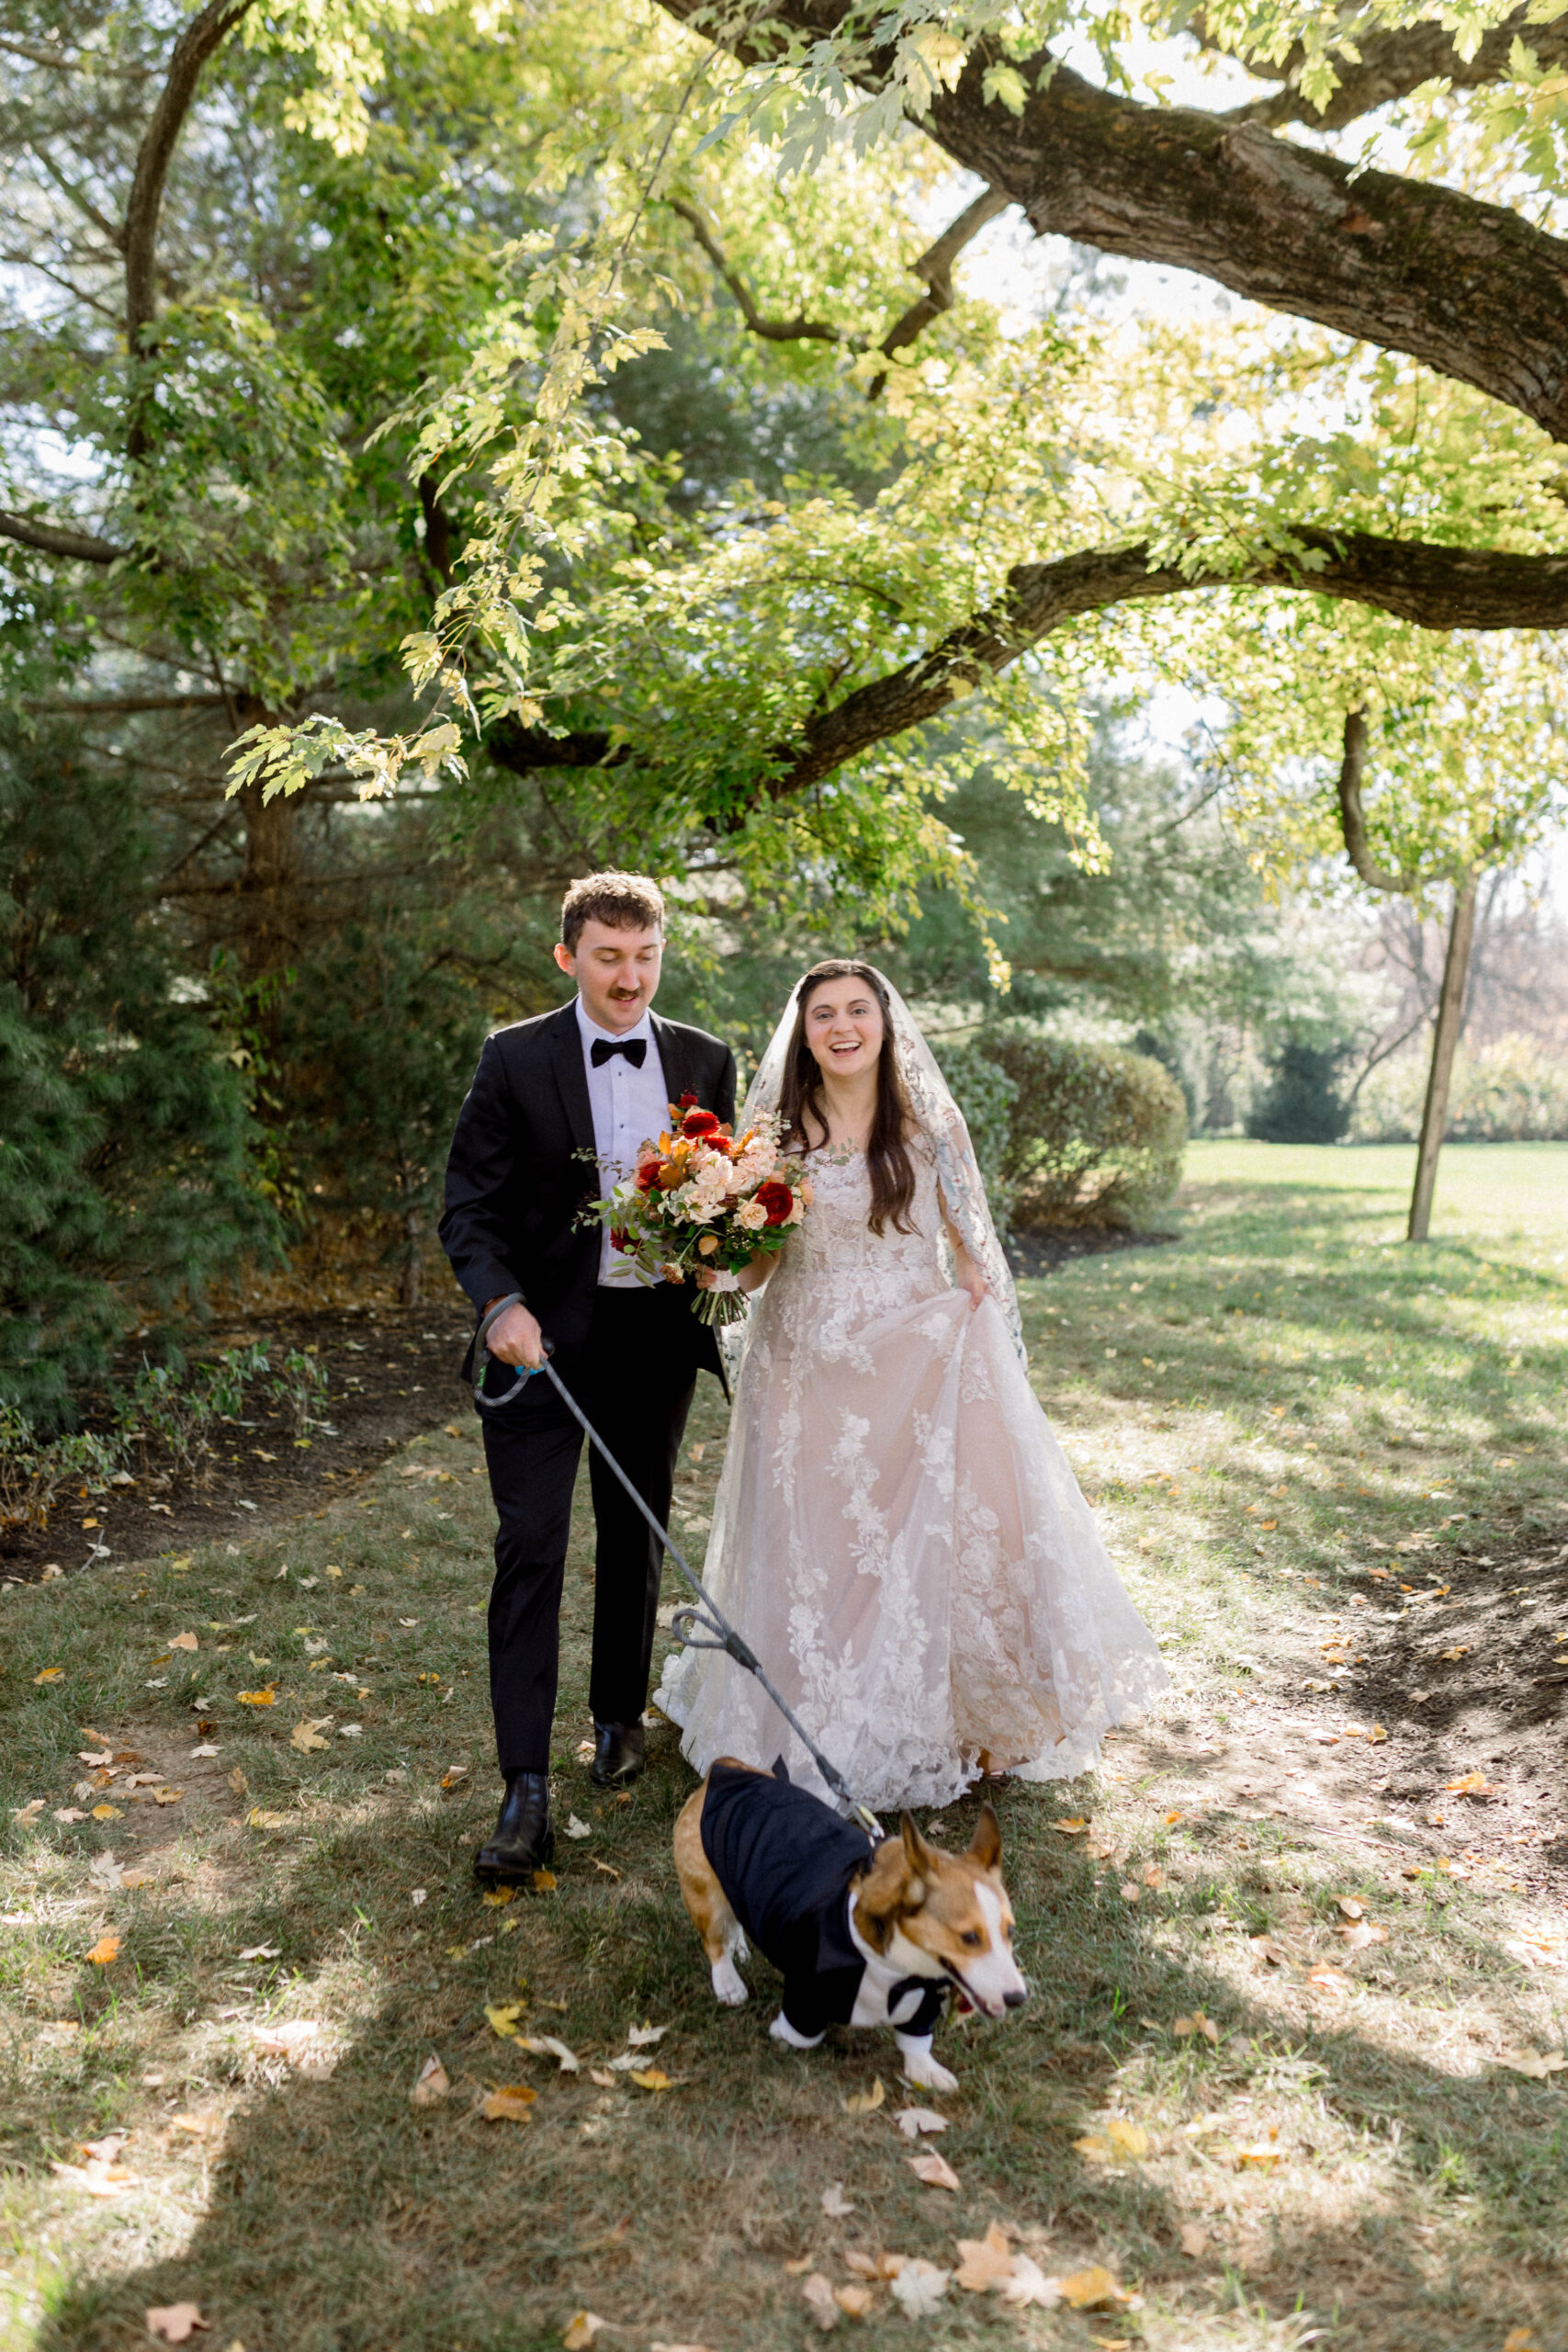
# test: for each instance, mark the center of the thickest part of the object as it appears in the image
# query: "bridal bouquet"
(703, 1202)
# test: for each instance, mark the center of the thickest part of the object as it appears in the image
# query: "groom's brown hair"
(623, 901)
(887, 1161)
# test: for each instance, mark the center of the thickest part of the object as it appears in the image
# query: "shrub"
(1096, 1133)
(1302, 1102)
(986, 1094)
(1512, 1091)
(35, 1474)
(124, 1126)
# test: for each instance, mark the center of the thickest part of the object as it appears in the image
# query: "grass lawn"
(1333, 1468)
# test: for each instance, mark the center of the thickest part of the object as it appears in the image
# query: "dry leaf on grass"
(834, 2203)
(307, 1737)
(1269, 1952)
(105, 1813)
(920, 2288)
(854, 2301)
(983, 2261)
(652, 2078)
(508, 2103)
(1154, 1876)
(805, 2262)
(1071, 1828)
(1088, 2291)
(1359, 1934)
(913, 2120)
(175, 2322)
(503, 2017)
(1185, 2028)
(261, 1951)
(821, 2302)
(599, 2075)
(49, 1674)
(1538, 2066)
(643, 2037)
(496, 1898)
(1265, 2153)
(1350, 1906)
(1194, 2238)
(581, 2330)
(1119, 2141)
(575, 1828)
(545, 2045)
(868, 2265)
(543, 1882)
(99, 2177)
(103, 1950)
(934, 2170)
(865, 2102)
(185, 1641)
(1521, 2339)
(1026, 2283)
(432, 2084)
(1473, 1784)
(1171, 1818)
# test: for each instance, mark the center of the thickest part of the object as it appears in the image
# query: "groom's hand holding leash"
(515, 1337)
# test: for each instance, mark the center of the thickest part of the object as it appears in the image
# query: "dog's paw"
(728, 1985)
(782, 2031)
(921, 2067)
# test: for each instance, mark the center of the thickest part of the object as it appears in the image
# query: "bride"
(897, 1532)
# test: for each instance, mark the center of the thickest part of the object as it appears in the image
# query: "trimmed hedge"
(1094, 1132)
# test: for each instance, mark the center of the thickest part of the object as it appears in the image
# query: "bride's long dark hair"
(887, 1157)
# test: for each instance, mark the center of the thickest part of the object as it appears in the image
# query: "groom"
(550, 1096)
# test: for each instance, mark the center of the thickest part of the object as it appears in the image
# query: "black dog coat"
(787, 1863)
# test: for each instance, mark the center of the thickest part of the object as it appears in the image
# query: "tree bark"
(1472, 288)
(270, 877)
(1445, 1038)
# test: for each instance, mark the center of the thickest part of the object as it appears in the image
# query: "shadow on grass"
(338, 2217)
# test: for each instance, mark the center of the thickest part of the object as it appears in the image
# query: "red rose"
(647, 1176)
(688, 1103)
(777, 1199)
(699, 1123)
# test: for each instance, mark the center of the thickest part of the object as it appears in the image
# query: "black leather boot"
(620, 1751)
(522, 1841)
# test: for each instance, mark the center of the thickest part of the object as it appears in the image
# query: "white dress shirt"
(630, 1106)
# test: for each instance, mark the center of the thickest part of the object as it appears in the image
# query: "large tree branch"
(1392, 64)
(138, 238)
(1472, 289)
(1352, 822)
(80, 546)
(796, 330)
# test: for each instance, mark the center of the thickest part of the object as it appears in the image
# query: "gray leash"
(716, 1632)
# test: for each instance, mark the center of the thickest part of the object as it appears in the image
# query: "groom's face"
(617, 972)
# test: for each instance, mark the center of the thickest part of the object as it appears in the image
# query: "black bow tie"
(634, 1049)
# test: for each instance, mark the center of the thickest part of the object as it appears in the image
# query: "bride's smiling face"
(844, 1028)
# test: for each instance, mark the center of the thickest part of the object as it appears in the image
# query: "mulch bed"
(391, 1372)
(1037, 1249)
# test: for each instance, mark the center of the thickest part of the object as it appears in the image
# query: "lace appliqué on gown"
(897, 1533)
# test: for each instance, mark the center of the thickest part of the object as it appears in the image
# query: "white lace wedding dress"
(897, 1533)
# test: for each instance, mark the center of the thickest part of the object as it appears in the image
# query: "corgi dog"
(862, 1934)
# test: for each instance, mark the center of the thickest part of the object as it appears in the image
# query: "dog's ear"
(889, 1889)
(987, 1843)
(922, 1857)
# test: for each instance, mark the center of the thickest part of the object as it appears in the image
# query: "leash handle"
(482, 1356)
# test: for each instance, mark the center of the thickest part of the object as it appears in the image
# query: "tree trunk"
(268, 884)
(412, 1225)
(1445, 1038)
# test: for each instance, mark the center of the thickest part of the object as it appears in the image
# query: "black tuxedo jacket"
(515, 1179)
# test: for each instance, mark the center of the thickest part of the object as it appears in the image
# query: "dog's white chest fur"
(882, 1971)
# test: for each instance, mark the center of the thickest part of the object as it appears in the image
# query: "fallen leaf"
(581, 2330)
(1461, 1649)
(643, 2037)
(545, 2045)
(920, 2287)
(1267, 1951)
(69, 1813)
(1194, 2238)
(1085, 2290)
(185, 1641)
(1473, 1784)
(934, 2170)
(503, 2019)
(608, 1869)
(262, 1951)
(104, 1871)
(1265, 2153)
(854, 2302)
(544, 1882)
(913, 2120)
(1073, 1828)
(1348, 1904)
(865, 2102)
(1130, 1890)
(805, 2262)
(1171, 1818)
(509, 2103)
(1119, 2141)
(308, 1735)
(175, 2322)
(652, 2078)
(103, 1950)
(834, 2202)
(575, 1828)
(983, 2261)
(1520, 2339)
(1153, 1875)
(1197, 2023)
(260, 1818)
(1328, 1979)
(1528, 2062)
(1026, 2283)
(453, 1774)
(431, 2084)
(265, 1697)
(495, 1898)
(603, 2076)
(821, 2302)
(49, 1674)
(1359, 1934)
(868, 2266)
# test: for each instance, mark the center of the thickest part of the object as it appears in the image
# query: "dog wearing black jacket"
(862, 1935)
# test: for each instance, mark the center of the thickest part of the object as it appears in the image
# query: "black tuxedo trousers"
(634, 1379)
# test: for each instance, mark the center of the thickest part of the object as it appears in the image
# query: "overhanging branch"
(78, 545)
(1389, 65)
